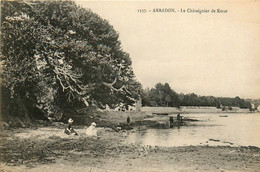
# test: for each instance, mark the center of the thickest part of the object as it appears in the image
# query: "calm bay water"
(238, 129)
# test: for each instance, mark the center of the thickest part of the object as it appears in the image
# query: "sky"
(214, 54)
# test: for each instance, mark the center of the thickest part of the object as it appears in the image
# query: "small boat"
(223, 115)
(159, 113)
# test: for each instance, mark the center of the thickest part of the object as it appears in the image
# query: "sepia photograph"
(129, 86)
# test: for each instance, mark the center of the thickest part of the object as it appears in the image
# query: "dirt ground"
(49, 149)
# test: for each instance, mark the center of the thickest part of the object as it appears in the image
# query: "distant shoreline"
(194, 109)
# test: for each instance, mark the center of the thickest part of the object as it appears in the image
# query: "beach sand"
(49, 149)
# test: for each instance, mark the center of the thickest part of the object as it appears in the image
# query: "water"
(238, 129)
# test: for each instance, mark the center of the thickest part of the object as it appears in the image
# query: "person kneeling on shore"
(69, 130)
(91, 130)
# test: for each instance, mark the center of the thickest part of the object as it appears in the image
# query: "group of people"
(91, 130)
(179, 120)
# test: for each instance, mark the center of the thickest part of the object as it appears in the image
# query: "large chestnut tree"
(57, 56)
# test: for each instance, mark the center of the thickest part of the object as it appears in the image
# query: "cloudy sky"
(209, 54)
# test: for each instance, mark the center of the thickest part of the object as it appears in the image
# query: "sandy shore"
(49, 149)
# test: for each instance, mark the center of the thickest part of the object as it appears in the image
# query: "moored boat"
(223, 115)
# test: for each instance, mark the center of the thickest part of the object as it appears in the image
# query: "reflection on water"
(234, 130)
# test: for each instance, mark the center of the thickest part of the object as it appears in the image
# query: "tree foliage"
(61, 56)
(163, 95)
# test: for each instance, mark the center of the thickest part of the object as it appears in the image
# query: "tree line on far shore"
(162, 95)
